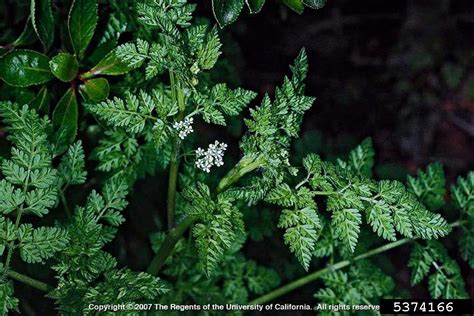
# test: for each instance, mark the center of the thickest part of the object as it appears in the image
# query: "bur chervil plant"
(77, 142)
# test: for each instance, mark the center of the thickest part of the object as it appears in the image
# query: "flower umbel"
(184, 128)
(211, 157)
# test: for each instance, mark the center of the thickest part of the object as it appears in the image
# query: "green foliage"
(7, 300)
(234, 279)
(96, 89)
(69, 118)
(364, 282)
(446, 281)
(65, 118)
(28, 187)
(463, 196)
(22, 68)
(222, 100)
(429, 186)
(87, 274)
(271, 127)
(71, 169)
(388, 206)
(43, 21)
(64, 66)
(227, 11)
(82, 20)
(220, 224)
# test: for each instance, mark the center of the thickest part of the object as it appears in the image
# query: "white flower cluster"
(211, 157)
(184, 128)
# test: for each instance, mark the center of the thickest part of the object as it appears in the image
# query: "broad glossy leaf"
(295, 5)
(64, 66)
(43, 22)
(96, 89)
(226, 11)
(82, 22)
(65, 118)
(109, 65)
(255, 5)
(315, 4)
(22, 68)
(41, 101)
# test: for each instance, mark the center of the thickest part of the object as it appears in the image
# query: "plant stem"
(168, 245)
(315, 275)
(339, 265)
(30, 281)
(65, 205)
(171, 199)
(178, 97)
(11, 245)
(245, 165)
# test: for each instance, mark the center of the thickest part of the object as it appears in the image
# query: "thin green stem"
(322, 192)
(339, 265)
(171, 199)
(315, 275)
(168, 245)
(177, 94)
(303, 182)
(65, 204)
(29, 281)
(243, 167)
(11, 245)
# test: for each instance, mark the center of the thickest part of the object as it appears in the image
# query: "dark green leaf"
(226, 11)
(64, 66)
(82, 22)
(22, 68)
(41, 101)
(255, 5)
(43, 22)
(26, 37)
(96, 89)
(109, 65)
(314, 4)
(65, 118)
(19, 94)
(295, 5)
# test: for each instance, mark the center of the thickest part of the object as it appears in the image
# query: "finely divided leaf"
(42, 243)
(346, 224)
(429, 186)
(302, 231)
(71, 169)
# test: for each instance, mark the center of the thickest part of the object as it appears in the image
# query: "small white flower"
(213, 156)
(184, 128)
